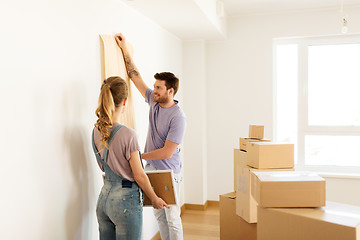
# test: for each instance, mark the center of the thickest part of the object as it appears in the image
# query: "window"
(317, 101)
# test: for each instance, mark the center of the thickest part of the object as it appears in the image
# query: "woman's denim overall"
(119, 207)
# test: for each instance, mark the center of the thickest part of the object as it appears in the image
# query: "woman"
(119, 207)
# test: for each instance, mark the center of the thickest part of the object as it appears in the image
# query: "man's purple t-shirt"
(164, 124)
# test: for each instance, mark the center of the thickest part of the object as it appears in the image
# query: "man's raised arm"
(132, 70)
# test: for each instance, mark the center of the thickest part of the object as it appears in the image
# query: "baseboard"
(182, 209)
(156, 236)
(213, 203)
(200, 207)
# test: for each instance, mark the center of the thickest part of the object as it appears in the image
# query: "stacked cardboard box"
(256, 131)
(334, 222)
(256, 134)
(231, 225)
(269, 155)
(241, 227)
(288, 189)
(282, 203)
(259, 156)
(281, 188)
(246, 205)
(273, 190)
(264, 178)
(264, 175)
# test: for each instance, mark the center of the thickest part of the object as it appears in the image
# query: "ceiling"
(204, 19)
(245, 7)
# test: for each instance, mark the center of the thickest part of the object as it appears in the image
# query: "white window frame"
(303, 128)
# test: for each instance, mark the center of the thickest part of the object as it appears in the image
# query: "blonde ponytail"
(113, 92)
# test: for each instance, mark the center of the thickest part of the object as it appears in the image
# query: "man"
(166, 131)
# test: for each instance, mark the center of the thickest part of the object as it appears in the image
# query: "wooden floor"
(202, 225)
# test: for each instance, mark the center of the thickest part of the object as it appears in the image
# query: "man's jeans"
(168, 219)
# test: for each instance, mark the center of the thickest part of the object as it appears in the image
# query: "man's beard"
(160, 99)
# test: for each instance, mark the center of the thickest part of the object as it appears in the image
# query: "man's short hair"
(171, 81)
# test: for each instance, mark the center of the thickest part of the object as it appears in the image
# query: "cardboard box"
(336, 221)
(256, 131)
(239, 164)
(245, 141)
(288, 189)
(246, 205)
(231, 225)
(265, 155)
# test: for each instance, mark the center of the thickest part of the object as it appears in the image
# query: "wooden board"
(114, 65)
(163, 184)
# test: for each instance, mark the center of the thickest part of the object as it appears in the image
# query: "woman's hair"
(113, 92)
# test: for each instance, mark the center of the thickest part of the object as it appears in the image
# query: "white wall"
(195, 106)
(343, 189)
(239, 85)
(50, 73)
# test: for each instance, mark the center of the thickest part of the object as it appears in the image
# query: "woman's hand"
(158, 203)
(142, 179)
